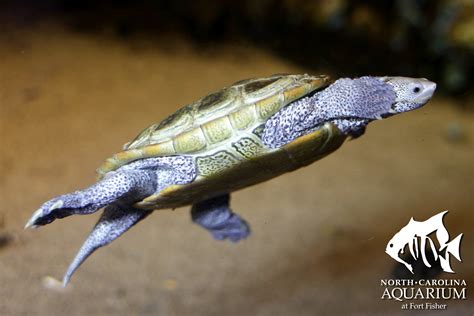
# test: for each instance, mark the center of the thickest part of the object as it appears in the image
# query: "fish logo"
(415, 235)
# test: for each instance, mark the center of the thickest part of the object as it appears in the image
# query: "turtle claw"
(59, 207)
(32, 220)
(40, 217)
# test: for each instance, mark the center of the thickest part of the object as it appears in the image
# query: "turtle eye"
(416, 89)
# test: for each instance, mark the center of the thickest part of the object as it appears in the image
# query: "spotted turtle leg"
(216, 217)
(115, 220)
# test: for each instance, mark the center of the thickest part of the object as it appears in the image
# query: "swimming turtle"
(249, 132)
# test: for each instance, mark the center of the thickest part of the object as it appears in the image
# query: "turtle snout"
(429, 88)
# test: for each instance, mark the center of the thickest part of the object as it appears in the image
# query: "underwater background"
(78, 79)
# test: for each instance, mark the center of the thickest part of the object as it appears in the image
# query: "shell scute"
(242, 118)
(217, 130)
(258, 85)
(215, 163)
(247, 147)
(275, 87)
(156, 149)
(297, 92)
(269, 106)
(189, 142)
(215, 100)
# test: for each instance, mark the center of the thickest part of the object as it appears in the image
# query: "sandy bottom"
(69, 100)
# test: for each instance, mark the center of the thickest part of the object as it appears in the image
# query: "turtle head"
(411, 93)
(351, 104)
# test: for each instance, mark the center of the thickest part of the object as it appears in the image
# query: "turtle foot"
(234, 228)
(218, 219)
(59, 207)
(137, 184)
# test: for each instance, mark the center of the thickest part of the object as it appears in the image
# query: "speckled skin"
(221, 222)
(115, 220)
(363, 100)
(350, 104)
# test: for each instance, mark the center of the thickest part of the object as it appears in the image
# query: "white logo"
(415, 235)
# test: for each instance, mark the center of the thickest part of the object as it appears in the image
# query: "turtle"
(241, 135)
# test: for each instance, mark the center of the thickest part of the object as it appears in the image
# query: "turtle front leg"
(115, 220)
(135, 184)
(216, 216)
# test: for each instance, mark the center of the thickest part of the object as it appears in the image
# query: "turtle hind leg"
(115, 221)
(216, 216)
(123, 185)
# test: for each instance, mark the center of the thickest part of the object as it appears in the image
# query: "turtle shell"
(245, 162)
(213, 122)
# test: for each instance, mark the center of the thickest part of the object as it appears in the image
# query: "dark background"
(433, 38)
